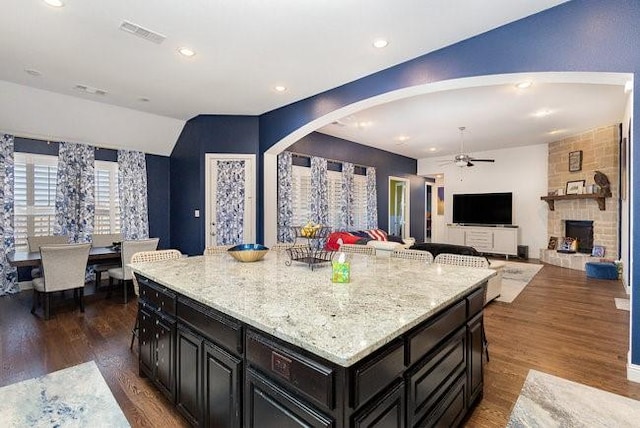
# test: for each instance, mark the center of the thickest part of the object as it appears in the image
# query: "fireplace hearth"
(582, 231)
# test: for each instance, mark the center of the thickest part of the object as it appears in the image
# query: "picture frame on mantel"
(575, 161)
(574, 187)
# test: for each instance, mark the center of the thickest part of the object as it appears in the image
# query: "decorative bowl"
(248, 252)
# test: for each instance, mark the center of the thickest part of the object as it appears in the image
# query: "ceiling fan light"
(461, 163)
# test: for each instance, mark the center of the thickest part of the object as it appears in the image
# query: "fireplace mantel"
(599, 197)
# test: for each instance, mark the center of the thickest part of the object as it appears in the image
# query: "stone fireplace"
(600, 152)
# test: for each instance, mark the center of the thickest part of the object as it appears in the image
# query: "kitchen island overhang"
(286, 326)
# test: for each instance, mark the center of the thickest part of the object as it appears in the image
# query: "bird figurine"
(602, 181)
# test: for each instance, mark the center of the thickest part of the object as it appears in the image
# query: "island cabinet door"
(269, 406)
(222, 388)
(386, 412)
(165, 339)
(188, 374)
(146, 341)
(476, 345)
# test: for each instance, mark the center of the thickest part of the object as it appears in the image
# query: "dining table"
(32, 258)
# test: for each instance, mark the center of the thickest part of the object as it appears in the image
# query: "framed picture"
(574, 187)
(598, 251)
(553, 243)
(568, 245)
(575, 161)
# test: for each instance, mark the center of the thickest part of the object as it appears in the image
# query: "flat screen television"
(483, 208)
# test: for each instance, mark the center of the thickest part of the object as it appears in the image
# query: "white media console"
(486, 239)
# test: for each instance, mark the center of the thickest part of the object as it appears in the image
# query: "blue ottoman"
(601, 270)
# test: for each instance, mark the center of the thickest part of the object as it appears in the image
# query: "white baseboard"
(25, 285)
(633, 371)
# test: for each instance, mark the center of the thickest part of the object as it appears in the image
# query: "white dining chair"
(123, 273)
(63, 268)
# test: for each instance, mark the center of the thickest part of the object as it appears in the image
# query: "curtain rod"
(303, 155)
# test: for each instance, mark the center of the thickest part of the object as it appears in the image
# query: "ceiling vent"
(142, 32)
(91, 90)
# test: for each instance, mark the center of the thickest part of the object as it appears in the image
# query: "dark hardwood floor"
(562, 324)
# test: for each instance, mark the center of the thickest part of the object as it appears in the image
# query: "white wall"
(521, 170)
(35, 113)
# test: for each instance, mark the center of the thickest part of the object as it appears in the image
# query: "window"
(107, 219)
(35, 197)
(301, 189)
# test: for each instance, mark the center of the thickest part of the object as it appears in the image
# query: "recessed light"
(54, 3)
(280, 88)
(32, 72)
(403, 138)
(524, 84)
(364, 124)
(380, 43)
(188, 52)
(542, 113)
(432, 149)
(439, 176)
(556, 131)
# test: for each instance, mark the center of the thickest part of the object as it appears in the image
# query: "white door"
(230, 199)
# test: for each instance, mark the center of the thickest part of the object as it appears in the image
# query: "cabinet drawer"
(434, 376)
(158, 296)
(475, 301)
(451, 411)
(211, 325)
(289, 368)
(424, 339)
(377, 372)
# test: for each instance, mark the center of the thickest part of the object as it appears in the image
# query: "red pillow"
(377, 234)
(332, 241)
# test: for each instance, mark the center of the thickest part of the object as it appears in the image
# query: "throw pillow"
(377, 234)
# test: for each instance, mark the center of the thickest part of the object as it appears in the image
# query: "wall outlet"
(196, 213)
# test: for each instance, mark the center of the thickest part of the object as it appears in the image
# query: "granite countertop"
(340, 322)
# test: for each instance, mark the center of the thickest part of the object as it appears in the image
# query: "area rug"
(550, 401)
(623, 304)
(74, 397)
(516, 276)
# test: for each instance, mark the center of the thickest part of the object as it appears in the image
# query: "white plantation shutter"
(334, 190)
(107, 202)
(301, 188)
(34, 196)
(360, 202)
(300, 191)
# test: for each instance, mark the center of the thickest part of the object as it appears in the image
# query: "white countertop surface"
(340, 322)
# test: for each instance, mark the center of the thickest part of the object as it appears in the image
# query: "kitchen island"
(269, 345)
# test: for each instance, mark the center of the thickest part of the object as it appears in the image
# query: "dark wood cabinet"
(222, 388)
(387, 412)
(475, 349)
(270, 406)
(189, 375)
(221, 372)
(156, 348)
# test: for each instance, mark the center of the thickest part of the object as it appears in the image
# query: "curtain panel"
(285, 197)
(132, 189)
(346, 197)
(372, 199)
(319, 197)
(230, 198)
(8, 274)
(75, 203)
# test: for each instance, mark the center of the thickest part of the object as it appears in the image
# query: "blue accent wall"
(200, 135)
(580, 35)
(386, 163)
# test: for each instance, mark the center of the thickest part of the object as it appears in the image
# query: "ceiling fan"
(464, 160)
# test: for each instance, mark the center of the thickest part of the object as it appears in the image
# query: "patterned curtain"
(132, 187)
(230, 195)
(8, 275)
(372, 199)
(75, 205)
(285, 197)
(319, 197)
(346, 199)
